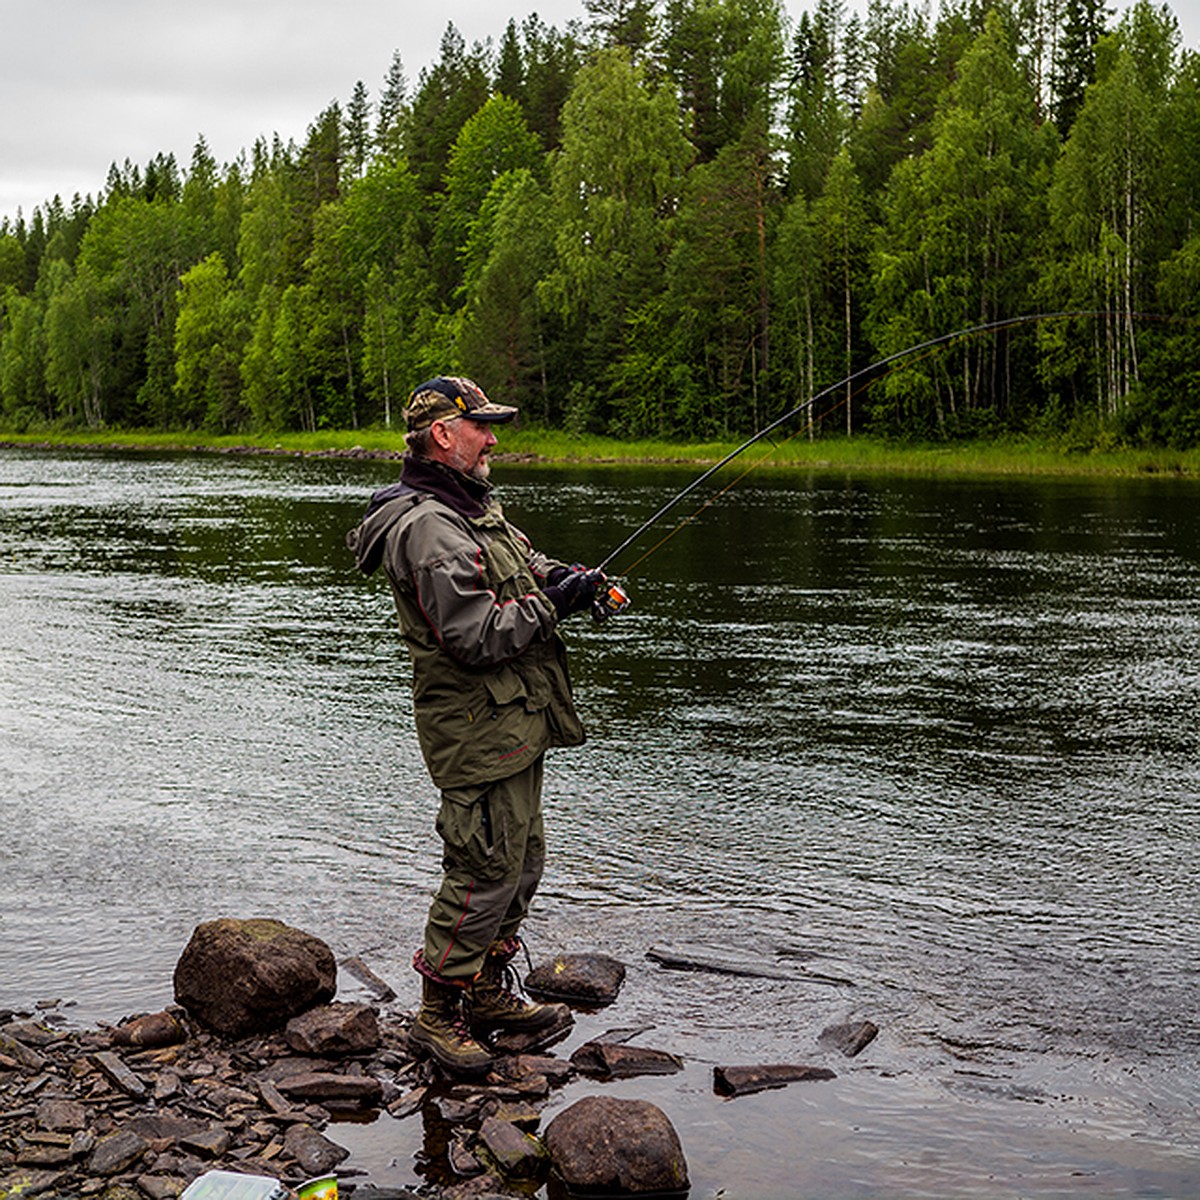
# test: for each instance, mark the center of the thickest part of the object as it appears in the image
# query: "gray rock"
(334, 1029)
(116, 1153)
(616, 1061)
(250, 976)
(315, 1153)
(161, 1187)
(590, 979)
(29, 1183)
(851, 1038)
(409, 1103)
(157, 1127)
(24, 1055)
(207, 1143)
(514, 1152)
(382, 991)
(606, 1144)
(119, 1074)
(325, 1085)
(62, 1115)
(742, 1081)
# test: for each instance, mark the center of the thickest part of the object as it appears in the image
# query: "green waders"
(493, 853)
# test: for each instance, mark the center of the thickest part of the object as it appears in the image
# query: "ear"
(440, 432)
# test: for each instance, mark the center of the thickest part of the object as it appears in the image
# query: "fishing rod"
(612, 598)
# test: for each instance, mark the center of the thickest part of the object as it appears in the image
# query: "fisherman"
(479, 610)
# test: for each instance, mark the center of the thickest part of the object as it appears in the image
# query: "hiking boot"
(441, 1030)
(495, 1008)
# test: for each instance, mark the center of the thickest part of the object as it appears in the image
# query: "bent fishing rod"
(612, 598)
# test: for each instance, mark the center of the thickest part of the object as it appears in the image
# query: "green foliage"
(669, 219)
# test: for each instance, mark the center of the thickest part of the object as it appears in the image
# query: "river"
(919, 751)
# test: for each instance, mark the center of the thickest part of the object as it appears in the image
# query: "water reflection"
(933, 739)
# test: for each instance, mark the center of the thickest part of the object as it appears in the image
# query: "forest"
(671, 218)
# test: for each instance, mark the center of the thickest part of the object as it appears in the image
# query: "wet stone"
(364, 1090)
(463, 1160)
(594, 979)
(116, 1153)
(617, 1061)
(409, 1103)
(524, 1116)
(850, 1038)
(334, 1029)
(515, 1153)
(315, 1153)
(743, 1081)
(458, 1112)
(606, 1144)
(383, 992)
(26, 1057)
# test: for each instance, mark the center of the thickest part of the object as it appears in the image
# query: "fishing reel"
(611, 598)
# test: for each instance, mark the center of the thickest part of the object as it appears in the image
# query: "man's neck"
(459, 491)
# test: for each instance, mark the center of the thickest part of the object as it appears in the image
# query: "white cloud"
(87, 84)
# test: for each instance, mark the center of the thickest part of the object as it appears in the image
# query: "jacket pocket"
(506, 686)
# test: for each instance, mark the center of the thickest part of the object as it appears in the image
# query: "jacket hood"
(369, 537)
(418, 477)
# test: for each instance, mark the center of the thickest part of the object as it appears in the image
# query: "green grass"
(1011, 457)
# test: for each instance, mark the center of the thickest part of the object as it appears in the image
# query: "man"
(479, 610)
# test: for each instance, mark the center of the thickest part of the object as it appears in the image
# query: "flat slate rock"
(615, 1060)
(742, 1081)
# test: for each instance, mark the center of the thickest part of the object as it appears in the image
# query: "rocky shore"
(254, 1069)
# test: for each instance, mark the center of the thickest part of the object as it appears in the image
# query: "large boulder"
(603, 1144)
(250, 976)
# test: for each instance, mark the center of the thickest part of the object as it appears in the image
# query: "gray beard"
(479, 470)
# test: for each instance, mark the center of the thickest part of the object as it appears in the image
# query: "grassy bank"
(1014, 457)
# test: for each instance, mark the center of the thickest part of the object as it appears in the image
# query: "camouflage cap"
(447, 396)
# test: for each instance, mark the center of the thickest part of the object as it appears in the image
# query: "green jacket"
(490, 685)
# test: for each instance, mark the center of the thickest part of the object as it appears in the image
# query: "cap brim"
(491, 412)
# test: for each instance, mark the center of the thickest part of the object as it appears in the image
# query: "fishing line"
(872, 369)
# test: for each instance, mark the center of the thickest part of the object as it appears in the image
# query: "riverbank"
(555, 447)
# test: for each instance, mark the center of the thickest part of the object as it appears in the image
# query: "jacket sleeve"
(470, 621)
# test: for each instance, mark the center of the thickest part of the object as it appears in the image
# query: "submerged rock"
(851, 1038)
(742, 1081)
(250, 976)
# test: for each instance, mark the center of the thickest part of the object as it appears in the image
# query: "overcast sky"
(84, 83)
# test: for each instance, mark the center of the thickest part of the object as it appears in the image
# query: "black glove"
(558, 574)
(573, 592)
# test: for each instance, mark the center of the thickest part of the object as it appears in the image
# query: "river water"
(923, 752)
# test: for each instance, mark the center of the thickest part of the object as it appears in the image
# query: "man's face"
(469, 444)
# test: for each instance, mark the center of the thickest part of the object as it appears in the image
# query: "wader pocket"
(468, 829)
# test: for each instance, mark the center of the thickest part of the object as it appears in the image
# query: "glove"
(573, 592)
(558, 574)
